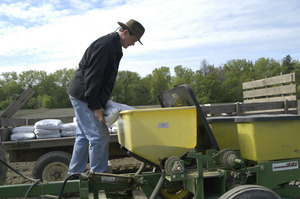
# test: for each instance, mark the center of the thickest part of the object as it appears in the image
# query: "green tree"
(265, 68)
(236, 72)
(297, 73)
(207, 88)
(46, 89)
(9, 76)
(183, 76)
(9, 86)
(287, 64)
(29, 79)
(161, 80)
(45, 101)
(53, 86)
(146, 91)
(210, 84)
(127, 88)
(62, 79)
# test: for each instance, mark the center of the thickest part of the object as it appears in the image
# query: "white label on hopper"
(163, 125)
(285, 166)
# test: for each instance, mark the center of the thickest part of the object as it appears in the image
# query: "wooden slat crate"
(271, 95)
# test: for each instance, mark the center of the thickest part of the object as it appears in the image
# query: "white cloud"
(29, 13)
(177, 32)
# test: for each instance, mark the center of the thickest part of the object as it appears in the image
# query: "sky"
(50, 35)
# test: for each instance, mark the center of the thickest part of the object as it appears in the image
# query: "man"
(89, 91)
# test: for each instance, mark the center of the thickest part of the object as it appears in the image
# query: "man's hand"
(100, 113)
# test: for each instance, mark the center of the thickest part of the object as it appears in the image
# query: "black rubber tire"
(3, 168)
(52, 166)
(249, 192)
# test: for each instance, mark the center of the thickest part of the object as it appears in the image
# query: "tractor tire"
(52, 166)
(249, 192)
(3, 168)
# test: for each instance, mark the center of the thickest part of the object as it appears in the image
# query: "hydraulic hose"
(142, 166)
(159, 185)
(75, 175)
(8, 166)
(30, 188)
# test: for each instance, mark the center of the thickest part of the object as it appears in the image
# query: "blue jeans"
(92, 140)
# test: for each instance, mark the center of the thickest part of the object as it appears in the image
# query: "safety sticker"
(105, 179)
(177, 99)
(285, 166)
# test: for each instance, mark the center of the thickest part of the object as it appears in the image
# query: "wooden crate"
(274, 95)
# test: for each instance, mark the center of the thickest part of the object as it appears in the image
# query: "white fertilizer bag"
(74, 120)
(48, 128)
(68, 127)
(22, 136)
(23, 129)
(113, 109)
(68, 130)
(67, 133)
(48, 124)
(47, 133)
(52, 135)
(22, 133)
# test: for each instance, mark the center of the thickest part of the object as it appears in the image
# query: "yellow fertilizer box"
(269, 137)
(225, 131)
(155, 134)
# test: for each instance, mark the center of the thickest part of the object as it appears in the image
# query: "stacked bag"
(68, 130)
(54, 128)
(48, 128)
(22, 133)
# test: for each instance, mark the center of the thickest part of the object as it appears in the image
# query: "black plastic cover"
(183, 95)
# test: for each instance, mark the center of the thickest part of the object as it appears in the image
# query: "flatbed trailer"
(31, 150)
(52, 155)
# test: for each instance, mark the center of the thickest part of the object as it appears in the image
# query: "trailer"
(52, 155)
(192, 157)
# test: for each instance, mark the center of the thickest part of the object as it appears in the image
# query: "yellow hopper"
(153, 135)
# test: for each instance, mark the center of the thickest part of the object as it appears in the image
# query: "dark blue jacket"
(94, 79)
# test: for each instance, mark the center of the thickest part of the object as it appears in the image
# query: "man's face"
(127, 39)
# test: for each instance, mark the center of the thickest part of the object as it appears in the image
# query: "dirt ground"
(122, 165)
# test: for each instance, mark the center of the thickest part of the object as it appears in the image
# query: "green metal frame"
(51, 188)
(207, 179)
(280, 181)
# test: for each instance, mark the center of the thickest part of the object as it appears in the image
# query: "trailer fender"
(52, 166)
(3, 168)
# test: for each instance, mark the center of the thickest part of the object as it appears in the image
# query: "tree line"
(210, 84)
